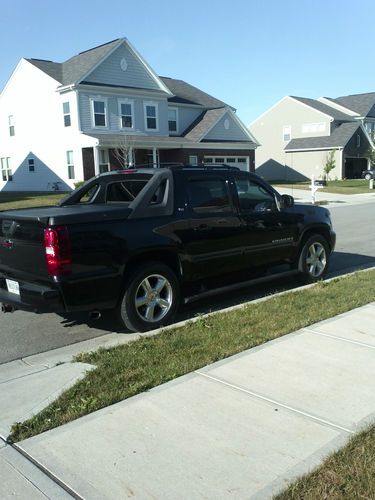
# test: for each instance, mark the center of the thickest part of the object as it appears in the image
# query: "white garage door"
(241, 162)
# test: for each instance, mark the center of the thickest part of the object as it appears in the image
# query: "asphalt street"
(23, 334)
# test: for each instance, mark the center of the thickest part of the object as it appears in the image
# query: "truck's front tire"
(150, 299)
(313, 259)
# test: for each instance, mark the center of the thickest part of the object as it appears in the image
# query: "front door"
(269, 234)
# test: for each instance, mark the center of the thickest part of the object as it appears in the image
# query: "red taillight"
(58, 250)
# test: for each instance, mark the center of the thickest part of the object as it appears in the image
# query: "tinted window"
(89, 194)
(208, 195)
(125, 191)
(159, 195)
(253, 196)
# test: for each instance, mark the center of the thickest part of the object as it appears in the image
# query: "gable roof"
(188, 94)
(364, 104)
(201, 126)
(324, 108)
(339, 138)
(52, 69)
(207, 120)
(75, 69)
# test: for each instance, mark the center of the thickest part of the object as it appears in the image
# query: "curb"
(66, 354)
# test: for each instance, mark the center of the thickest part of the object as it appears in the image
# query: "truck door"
(269, 234)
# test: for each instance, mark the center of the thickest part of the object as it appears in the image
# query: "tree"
(370, 154)
(330, 164)
(123, 151)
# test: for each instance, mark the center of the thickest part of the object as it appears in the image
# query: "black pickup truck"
(138, 241)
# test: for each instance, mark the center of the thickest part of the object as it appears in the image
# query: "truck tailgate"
(21, 248)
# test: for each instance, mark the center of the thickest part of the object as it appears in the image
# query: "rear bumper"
(32, 297)
(66, 295)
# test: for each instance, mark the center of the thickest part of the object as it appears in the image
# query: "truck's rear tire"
(150, 299)
(313, 259)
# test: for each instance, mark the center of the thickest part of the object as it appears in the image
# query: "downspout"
(342, 163)
(78, 112)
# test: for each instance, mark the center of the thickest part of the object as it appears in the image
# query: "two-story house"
(298, 134)
(105, 108)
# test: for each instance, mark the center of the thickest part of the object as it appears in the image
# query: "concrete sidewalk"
(240, 428)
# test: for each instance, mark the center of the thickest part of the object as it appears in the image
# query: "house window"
(126, 114)
(287, 133)
(31, 162)
(99, 113)
(103, 161)
(6, 171)
(11, 125)
(66, 112)
(172, 119)
(151, 116)
(308, 128)
(358, 141)
(70, 163)
(370, 127)
(193, 160)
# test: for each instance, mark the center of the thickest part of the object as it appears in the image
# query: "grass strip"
(136, 367)
(347, 473)
(12, 200)
(355, 186)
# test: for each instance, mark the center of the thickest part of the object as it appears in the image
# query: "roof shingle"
(324, 108)
(364, 104)
(188, 94)
(339, 138)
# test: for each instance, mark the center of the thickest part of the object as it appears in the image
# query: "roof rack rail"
(176, 165)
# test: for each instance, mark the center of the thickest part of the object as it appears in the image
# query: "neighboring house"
(65, 122)
(297, 134)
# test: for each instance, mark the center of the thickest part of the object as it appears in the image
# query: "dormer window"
(66, 112)
(11, 125)
(172, 119)
(99, 112)
(151, 116)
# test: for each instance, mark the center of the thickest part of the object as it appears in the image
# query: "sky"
(248, 54)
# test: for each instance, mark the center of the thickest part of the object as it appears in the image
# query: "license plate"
(13, 286)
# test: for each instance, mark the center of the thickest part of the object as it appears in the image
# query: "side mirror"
(286, 201)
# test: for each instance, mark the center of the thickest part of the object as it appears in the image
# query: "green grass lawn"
(12, 200)
(136, 367)
(354, 186)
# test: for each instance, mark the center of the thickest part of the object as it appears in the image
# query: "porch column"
(154, 158)
(131, 157)
(96, 159)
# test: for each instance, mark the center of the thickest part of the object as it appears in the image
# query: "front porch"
(109, 155)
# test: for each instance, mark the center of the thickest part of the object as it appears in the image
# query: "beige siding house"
(297, 134)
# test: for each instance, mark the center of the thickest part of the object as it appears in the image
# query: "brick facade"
(144, 157)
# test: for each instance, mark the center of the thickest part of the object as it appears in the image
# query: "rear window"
(125, 191)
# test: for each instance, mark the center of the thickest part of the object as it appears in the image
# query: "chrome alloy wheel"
(153, 298)
(316, 259)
